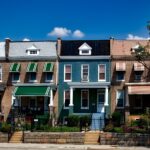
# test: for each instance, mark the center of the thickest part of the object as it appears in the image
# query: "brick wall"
(58, 138)
(3, 137)
(125, 139)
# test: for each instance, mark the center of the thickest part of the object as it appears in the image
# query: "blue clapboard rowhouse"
(84, 79)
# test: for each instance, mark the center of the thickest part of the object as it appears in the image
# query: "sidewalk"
(25, 146)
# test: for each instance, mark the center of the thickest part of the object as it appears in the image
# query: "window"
(0, 73)
(33, 52)
(48, 76)
(67, 73)
(120, 75)
(84, 99)
(138, 75)
(85, 49)
(15, 77)
(120, 99)
(85, 72)
(32, 77)
(66, 99)
(101, 72)
(138, 102)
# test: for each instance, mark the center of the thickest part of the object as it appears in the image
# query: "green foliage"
(85, 120)
(5, 127)
(118, 129)
(116, 118)
(73, 121)
(109, 128)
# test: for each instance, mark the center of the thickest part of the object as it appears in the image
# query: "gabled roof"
(2, 50)
(85, 46)
(18, 50)
(71, 47)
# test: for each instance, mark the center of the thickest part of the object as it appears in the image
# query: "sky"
(73, 19)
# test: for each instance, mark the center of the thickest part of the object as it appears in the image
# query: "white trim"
(1, 73)
(84, 57)
(87, 99)
(82, 80)
(65, 99)
(117, 98)
(99, 72)
(65, 73)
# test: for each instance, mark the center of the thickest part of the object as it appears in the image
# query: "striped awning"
(31, 91)
(15, 67)
(48, 67)
(120, 66)
(32, 67)
(138, 90)
(138, 67)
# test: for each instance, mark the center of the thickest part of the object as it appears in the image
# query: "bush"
(109, 128)
(118, 129)
(5, 127)
(116, 118)
(85, 120)
(73, 121)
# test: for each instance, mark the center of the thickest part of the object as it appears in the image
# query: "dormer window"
(85, 49)
(33, 50)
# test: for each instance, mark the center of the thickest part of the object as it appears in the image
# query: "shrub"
(116, 118)
(5, 127)
(109, 128)
(118, 129)
(85, 120)
(73, 120)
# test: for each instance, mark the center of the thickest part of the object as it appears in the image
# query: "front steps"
(92, 137)
(97, 121)
(16, 137)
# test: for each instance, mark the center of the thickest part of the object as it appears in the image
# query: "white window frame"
(85, 54)
(15, 81)
(29, 52)
(1, 73)
(117, 76)
(87, 101)
(82, 72)
(99, 72)
(65, 99)
(65, 73)
(46, 80)
(117, 98)
(30, 77)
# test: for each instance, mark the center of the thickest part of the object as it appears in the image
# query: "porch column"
(13, 100)
(71, 101)
(51, 98)
(106, 97)
(51, 104)
(127, 105)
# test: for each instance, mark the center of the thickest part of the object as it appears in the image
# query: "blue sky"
(73, 19)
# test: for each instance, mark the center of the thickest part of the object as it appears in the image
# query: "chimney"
(7, 41)
(58, 49)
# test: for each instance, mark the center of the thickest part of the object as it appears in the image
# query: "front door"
(100, 101)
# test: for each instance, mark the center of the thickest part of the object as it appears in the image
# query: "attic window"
(134, 48)
(33, 50)
(85, 49)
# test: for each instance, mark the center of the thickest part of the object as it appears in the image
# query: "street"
(9, 146)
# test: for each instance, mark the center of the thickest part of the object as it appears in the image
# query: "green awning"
(15, 67)
(48, 67)
(31, 91)
(32, 67)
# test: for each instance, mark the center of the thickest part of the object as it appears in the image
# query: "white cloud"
(26, 39)
(77, 33)
(60, 32)
(135, 37)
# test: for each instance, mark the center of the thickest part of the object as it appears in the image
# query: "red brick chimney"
(7, 41)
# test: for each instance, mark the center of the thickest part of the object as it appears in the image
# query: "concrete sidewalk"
(9, 146)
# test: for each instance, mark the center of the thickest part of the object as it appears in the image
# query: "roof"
(71, 47)
(19, 50)
(2, 49)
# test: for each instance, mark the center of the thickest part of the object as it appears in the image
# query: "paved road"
(7, 146)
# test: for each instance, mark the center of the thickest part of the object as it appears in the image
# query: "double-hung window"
(120, 99)
(66, 99)
(67, 73)
(101, 72)
(85, 72)
(0, 73)
(120, 75)
(84, 99)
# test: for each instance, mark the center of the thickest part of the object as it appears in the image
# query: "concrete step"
(92, 138)
(16, 137)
